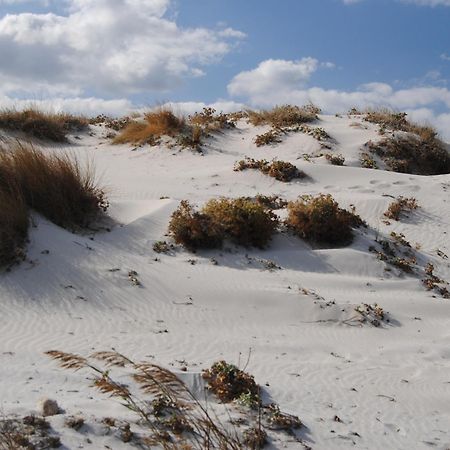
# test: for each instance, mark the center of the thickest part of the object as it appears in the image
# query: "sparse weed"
(400, 206)
(280, 170)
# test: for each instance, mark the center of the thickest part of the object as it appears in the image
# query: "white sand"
(390, 385)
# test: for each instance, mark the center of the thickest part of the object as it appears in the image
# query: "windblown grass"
(284, 116)
(53, 185)
(40, 124)
(162, 122)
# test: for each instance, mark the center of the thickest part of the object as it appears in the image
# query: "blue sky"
(116, 55)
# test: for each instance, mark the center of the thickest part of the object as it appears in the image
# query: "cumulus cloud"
(259, 83)
(106, 46)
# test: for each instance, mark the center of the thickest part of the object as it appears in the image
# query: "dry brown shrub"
(243, 221)
(209, 120)
(284, 116)
(194, 230)
(280, 170)
(229, 383)
(41, 124)
(321, 220)
(335, 160)
(270, 137)
(400, 206)
(412, 154)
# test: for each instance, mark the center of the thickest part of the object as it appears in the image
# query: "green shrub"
(245, 222)
(321, 220)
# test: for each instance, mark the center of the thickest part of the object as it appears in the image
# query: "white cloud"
(273, 77)
(105, 46)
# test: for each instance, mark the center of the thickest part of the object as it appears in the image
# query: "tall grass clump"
(320, 219)
(13, 224)
(40, 124)
(161, 122)
(53, 184)
(284, 116)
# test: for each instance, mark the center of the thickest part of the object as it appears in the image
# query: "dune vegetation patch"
(320, 219)
(170, 416)
(391, 120)
(412, 154)
(284, 115)
(14, 224)
(210, 120)
(51, 184)
(400, 207)
(243, 221)
(154, 124)
(280, 170)
(42, 125)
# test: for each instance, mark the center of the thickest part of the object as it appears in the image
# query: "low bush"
(397, 121)
(209, 120)
(229, 383)
(400, 206)
(335, 160)
(241, 220)
(42, 125)
(244, 221)
(284, 116)
(321, 220)
(280, 170)
(194, 230)
(412, 154)
(268, 138)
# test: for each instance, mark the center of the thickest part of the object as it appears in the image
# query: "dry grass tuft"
(284, 116)
(400, 206)
(42, 125)
(162, 122)
(53, 185)
(321, 220)
(397, 121)
(14, 224)
(50, 184)
(280, 170)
